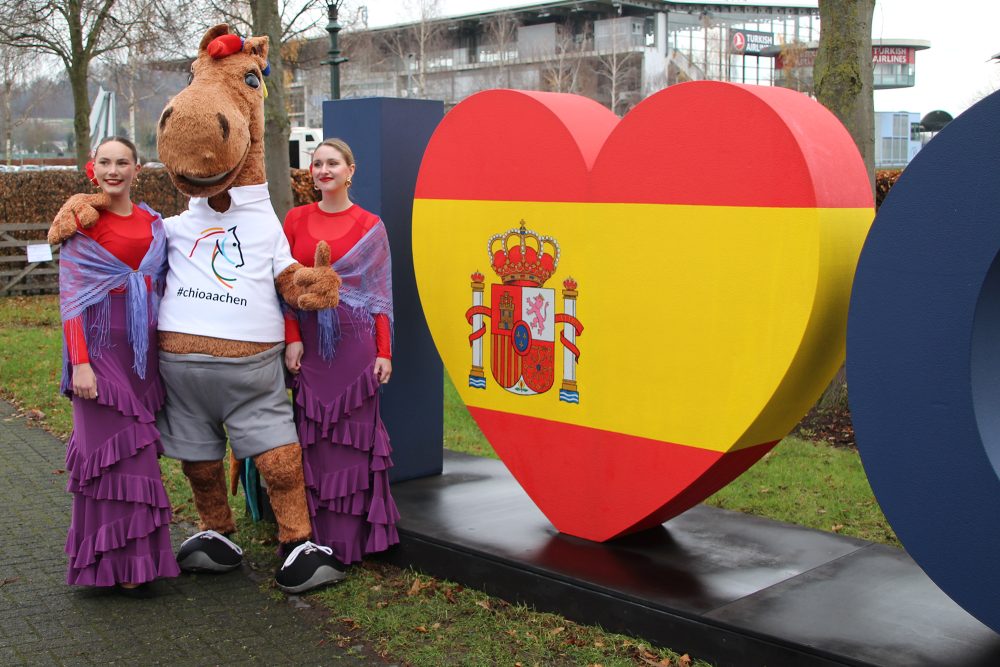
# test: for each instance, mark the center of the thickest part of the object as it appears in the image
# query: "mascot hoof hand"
(209, 551)
(79, 212)
(321, 283)
(307, 567)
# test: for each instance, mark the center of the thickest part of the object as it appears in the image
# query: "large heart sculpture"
(636, 311)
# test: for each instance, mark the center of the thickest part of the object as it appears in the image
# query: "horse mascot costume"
(221, 328)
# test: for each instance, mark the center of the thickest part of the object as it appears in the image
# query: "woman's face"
(115, 168)
(330, 170)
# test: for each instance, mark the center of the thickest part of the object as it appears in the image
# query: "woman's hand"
(84, 381)
(293, 357)
(383, 369)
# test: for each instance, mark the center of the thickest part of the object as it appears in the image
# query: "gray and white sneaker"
(209, 551)
(309, 566)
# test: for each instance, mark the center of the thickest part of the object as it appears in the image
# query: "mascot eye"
(252, 80)
(190, 77)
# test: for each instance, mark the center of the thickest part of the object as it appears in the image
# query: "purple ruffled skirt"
(120, 526)
(345, 447)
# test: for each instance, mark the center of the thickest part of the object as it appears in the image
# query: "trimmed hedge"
(35, 196)
(884, 180)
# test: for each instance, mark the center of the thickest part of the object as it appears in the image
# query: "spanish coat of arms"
(523, 318)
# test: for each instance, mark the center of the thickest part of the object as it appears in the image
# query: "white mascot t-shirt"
(220, 281)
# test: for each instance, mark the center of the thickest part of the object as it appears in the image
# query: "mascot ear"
(211, 34)
(257, 46)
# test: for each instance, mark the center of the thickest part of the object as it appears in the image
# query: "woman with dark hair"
(109, 276)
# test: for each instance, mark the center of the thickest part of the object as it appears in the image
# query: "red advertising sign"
(892, 55)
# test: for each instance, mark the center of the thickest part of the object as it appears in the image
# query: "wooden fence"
(17, 276)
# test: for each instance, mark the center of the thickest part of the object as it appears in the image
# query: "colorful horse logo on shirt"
(227, 246)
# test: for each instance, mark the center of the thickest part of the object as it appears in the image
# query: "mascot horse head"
(210, 135)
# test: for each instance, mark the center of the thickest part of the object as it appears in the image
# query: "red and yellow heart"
(674, 301)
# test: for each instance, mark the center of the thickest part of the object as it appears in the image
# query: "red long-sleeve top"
(127, 237)
(305, 227)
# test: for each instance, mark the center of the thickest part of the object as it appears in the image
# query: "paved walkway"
(192, 620)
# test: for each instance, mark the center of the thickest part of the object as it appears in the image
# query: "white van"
(302, 141)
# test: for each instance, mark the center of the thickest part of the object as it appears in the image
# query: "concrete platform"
(728, 588)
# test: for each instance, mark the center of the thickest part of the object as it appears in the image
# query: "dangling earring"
(348, 183)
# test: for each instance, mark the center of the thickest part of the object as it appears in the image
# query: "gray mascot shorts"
(246, 394)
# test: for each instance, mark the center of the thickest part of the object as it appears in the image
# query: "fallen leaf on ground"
(420, 628)
(485, 604)
(556, 631)
(684, 660)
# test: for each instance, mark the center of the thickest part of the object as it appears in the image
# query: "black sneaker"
(209, 551)
(309, 566)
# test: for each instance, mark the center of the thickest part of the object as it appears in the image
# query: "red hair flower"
(89, 168)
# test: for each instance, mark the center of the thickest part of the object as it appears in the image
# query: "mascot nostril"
(224, 124)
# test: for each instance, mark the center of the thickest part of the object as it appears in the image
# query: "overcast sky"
(951, 75)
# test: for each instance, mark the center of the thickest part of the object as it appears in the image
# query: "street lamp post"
(333, 27)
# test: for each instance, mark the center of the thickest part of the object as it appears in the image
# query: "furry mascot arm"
(79, 211)
(311, 288)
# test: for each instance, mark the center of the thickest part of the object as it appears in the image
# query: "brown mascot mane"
(211, 135)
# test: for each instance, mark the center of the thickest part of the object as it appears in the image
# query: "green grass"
(427, 621)
(810, 484)
(434, 622)
(460, 431)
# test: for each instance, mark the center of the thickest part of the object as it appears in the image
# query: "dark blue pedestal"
(388, 137)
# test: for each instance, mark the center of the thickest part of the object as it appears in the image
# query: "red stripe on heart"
(593, 483)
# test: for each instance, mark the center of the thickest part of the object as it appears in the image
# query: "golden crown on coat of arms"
(530, 261)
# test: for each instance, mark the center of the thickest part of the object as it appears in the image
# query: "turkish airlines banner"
(749, 42)
(892, 55)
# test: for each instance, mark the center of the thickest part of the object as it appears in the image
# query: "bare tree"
(843, 76)
(501, 32)
(76, 32)
(129, 67)
(560, 74)
(413, 45)
(843, 81)
(796, 62)
(15, 68)
(267, 21)
(618, 65)
(295, 19)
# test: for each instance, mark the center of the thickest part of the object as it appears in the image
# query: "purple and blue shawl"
(366, 287)
(88, 273)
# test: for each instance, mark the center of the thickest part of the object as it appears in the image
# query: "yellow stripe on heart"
(711, 327)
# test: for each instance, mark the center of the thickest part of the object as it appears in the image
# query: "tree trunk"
(267, 21)
(81, 111)
(842, 74)
(843, 82)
